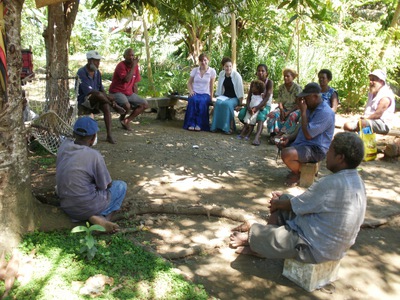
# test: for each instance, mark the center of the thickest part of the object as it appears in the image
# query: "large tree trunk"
(233, 40)
(61, 18)
(393, 24)
(148, 56)
(17, 209)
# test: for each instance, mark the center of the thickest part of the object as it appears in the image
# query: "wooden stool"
(307, 173)
(311, 276)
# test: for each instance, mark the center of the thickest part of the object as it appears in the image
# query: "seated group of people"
(303, 120)
(316, 226)
(122, 95)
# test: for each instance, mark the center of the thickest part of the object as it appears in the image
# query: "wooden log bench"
(311, 276)
(308, 171)
(165, 106)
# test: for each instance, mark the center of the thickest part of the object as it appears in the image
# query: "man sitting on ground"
(314, 136)
(380, 106)
(92, 95)
(322, 223)
(84, 184)
(124, 87)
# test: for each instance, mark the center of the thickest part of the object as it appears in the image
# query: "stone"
(311, 276)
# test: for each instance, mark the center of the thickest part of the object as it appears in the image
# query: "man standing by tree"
(380, 106)
(124, 88)
(92, 95)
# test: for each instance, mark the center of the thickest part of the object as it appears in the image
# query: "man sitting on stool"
(315, 134)
(322, 223)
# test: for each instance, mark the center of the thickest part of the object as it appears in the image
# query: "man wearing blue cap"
(91, 93)
(84, 184)
(315, 135)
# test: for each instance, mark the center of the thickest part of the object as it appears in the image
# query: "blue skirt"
(224, 114)
(197, 112)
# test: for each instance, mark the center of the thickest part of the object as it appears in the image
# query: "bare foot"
(126, 125)
(247, 251)
(244, 227)
(110, 227)
(110, 140)
(238, 239)
(292, 180)
(118, 109)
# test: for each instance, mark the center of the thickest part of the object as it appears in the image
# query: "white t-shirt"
(201, 85)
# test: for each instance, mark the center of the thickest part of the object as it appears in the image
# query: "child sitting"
(256, 88)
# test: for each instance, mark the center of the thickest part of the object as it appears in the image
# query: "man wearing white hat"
(92, 95)
(380, 106)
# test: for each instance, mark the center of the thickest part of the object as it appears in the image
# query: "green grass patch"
(137, 274)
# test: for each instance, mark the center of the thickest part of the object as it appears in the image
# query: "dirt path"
(165, 164)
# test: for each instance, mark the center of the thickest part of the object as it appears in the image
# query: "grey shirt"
(329, 214)
(82, 178)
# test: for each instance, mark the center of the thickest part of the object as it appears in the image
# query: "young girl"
(257, 88)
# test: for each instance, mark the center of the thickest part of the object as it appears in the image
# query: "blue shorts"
(117, 194)
(309, 153)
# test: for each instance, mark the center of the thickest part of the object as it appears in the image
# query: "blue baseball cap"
(85, 126)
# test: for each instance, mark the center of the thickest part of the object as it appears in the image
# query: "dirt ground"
(164, 164)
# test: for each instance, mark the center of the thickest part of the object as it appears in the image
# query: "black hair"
(327, 72)
(264, 66)
(351, 146)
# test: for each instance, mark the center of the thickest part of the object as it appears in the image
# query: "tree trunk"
(148, 57)
(233, 40)
(393, 24)
(17, 209)
(61, 18)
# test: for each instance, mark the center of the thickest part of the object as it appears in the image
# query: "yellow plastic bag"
(369, 139)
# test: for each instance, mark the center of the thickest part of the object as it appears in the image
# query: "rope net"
(50, 115)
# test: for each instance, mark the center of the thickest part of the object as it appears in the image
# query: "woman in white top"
(201, 89)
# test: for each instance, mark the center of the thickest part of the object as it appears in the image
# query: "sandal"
(256, 143)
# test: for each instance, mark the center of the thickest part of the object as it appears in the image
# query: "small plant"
(88, 242)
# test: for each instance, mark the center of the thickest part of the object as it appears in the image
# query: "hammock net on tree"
(55, 110)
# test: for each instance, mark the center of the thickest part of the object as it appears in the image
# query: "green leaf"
(283, 4)
(97, 228)
(90, 242)
(78, 229)
(293, 4)
(311, 4)
(294, 17)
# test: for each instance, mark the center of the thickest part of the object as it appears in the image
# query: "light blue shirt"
(329, 214)
(321, 126)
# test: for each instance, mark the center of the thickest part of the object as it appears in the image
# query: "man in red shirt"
(124, 88)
